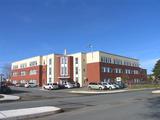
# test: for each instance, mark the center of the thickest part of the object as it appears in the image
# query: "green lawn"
(144, 86)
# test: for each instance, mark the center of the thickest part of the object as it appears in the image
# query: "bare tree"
(6, 70)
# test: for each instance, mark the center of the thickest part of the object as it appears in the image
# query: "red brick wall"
(57, 68)
(93, 72)
(39, 77)
(70, 67)
(43, 75)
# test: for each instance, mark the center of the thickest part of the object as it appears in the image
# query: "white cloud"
(149, 64)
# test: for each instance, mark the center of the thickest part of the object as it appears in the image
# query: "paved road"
(139, 105)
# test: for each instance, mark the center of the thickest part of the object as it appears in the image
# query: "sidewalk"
(9, 97)
(27, 113)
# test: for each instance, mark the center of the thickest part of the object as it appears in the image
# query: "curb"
(9, 98)
(3, 114)
(109, 92)
(98, 92)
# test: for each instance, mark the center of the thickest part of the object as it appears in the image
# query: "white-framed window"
(24, 65)
(33, 72)
(23, 73)
(136, 72)
(22, 81)
(64, 66)
(76, 60)
(15, 66)
(33, 63)
(50, 61)
(50, 70)
(127, 71)
(118, 70)
(107, 69)
(15, 74)
(76, 70)
(50, 80)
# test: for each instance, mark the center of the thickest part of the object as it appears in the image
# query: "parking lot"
(38, 93)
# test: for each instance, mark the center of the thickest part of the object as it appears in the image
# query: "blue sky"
(37, 27)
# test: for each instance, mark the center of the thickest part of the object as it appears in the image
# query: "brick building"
(81, 67)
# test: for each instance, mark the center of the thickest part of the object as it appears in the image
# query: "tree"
(6, 70)
(156, 70)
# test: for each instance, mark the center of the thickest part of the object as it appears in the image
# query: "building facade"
(79, 67)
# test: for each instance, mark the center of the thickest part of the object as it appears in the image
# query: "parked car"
(97, 86)
(116, 85)
(61, 86)
(77, 85)
(69, 85)
(108, 85)
(51, 86)
(27, 85)
(19, 84)
(121, 85)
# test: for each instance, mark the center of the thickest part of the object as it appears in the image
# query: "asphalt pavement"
(137, 105)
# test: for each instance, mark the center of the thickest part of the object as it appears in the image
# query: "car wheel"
(110, 88)
(90, 88)
(100, 88)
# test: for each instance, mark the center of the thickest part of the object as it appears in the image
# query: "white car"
(68, 85)
(27, 85)
(51, 86)
(109, 86)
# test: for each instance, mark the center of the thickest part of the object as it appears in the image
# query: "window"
(44, 62)
(50, 71)
(23, 73)
(23, 65)
(136, 72)
(65, 60)
(76, 70)
(65, 70)
(62, 70)
(76, 60)
(118, 70)
(34, 63)
(107, 69)
(33, 72)
(14, 73)
(23, 81)
(50, 80)
(50, 61)
(15, 66)
(128, 71)
(76, 79)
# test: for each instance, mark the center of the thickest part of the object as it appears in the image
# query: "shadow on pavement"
(153, 105)
(18, 91)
